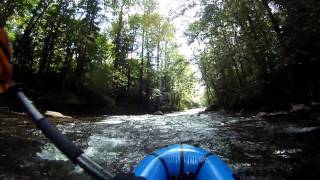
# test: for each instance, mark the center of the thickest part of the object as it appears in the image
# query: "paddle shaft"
(67, 147)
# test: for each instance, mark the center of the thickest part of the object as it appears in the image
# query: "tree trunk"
(148, 66)
(24, 48)
(50, 40)
(117, 41)
(35, 18)
(142, 66)
(158, 59)
(83, 59)
(234, 62)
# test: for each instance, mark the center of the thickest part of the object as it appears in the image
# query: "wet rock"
(202, 112)
(213, 108)
(299, 108)
(158, 113)
(278, 114)
(300, 129)
(240, 113)
(222, 110)
(165, 108)
(315, 104)
(56, 115)
(262, 115)
(13, 113)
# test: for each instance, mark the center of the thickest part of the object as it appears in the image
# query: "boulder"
(240, 112)
(213, 107)
(299, 108)
(262, 115)
(315, 104)
(56, 115)
(158, 113)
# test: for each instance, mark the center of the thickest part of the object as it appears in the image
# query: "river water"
(282, 148)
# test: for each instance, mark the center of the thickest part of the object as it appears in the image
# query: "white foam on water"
(100, 146)
(286, 153)
(111, 122)
(51, 153)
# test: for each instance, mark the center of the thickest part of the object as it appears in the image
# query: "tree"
(87, 48)
(98, 47)
(249, 51)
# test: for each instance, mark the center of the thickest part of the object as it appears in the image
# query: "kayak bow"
(183, 162)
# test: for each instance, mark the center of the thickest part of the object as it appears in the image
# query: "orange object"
(5, 64)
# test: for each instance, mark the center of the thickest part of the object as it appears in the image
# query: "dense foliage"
(120, 50)
(252, 53)
(259, 52)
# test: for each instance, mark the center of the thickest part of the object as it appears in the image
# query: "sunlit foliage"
(122, 49)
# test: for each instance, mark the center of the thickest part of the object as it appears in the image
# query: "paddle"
(67, 147)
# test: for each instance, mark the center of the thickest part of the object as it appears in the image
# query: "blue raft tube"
(183, 161)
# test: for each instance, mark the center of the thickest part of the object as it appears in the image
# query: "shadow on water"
(255, 149)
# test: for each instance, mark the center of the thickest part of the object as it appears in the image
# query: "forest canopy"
(250, 53)
(109, 52)
(258, 52)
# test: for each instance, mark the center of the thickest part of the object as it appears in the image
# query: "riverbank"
(87, 103)
(73, 104)
(310, 111)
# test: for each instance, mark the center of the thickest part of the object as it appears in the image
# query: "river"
(254, 149)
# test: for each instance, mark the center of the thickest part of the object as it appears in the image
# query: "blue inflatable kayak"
(182, 162)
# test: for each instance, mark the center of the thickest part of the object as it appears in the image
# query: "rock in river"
(300, 108)
(158, 113)
(56, 115)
